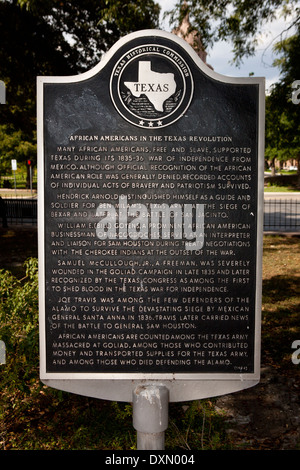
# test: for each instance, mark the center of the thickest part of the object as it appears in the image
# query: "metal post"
(30, 178)
(150, 416)
(15, 183)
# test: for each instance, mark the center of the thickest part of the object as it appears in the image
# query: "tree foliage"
(238, 21)
(92, 26)
(54, 37)
(18, 327)
(282, 112)
(13, 145)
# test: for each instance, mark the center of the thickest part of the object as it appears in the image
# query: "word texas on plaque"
(150, 223)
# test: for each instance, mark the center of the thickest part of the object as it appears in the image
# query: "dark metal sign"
(150, 220)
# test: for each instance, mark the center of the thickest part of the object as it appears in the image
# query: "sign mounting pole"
(150, 416)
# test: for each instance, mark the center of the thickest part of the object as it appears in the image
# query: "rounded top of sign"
(151, 82)
(151, 85)
(151, 35)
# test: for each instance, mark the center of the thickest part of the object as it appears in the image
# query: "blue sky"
(220, 56)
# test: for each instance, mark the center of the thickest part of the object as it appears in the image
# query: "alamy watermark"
(152, 221)
(2, 352)
(2, 92)
(296, 92)
(296, 354)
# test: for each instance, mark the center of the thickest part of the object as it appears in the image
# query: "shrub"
(19, 328)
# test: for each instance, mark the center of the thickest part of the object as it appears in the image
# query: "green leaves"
(129, 16)
(14, 145)
(238, 21)
(47, 37)
(282, 115)
(19, 325)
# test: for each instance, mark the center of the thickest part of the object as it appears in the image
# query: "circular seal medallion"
(151, 86)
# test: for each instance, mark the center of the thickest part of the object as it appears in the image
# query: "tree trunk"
(273, 171)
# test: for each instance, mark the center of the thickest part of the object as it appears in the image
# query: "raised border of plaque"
(119, 385)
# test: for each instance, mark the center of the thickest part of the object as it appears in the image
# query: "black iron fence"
(282, 215)
(279, 214)
(19, 211)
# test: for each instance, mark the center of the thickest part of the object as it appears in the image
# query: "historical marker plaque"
(150, 219)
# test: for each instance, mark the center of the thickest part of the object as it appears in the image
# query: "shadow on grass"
(280, 318)
(280, 288)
